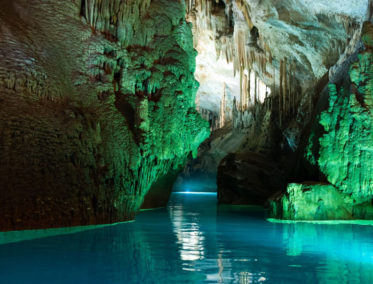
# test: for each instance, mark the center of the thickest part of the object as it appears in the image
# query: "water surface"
(195, 241)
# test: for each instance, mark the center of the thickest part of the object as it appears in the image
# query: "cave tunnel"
(186, 141)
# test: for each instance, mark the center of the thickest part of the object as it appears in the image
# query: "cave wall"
(295, 47)
(96, 104)
(341, 152)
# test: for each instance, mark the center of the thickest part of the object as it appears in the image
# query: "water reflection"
(346, 251)
(189, 237)
(194, 241)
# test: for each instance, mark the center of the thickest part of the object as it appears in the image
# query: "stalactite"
(258, 91)
(274, 86)
(241, 89)
(249, 87)
(198, 103)
(252, 56)
(285, 87)
(294, 91)
(280, 92)
(266, 99)
(222, 108)
(244, 95)
(255, 89)
(291, 95)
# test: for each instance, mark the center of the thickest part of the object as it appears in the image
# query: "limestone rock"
(307, 37)
(316, 201)
(367, 35)
(343, 154)
(97, 102)
(292, 46)
(160, 191)
(309, 201)
(346, 146)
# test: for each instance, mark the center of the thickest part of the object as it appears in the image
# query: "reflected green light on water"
(324, 222)
(26, 235)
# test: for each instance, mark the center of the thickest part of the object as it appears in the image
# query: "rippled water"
(195, 241)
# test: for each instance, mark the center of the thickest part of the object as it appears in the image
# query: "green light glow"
(343, 154)
(26, 235)
(203, 193)
(324, 222)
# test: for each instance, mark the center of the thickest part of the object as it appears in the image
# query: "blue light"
(190, 192)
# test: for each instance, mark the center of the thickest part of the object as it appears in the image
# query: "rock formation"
(99, 107)
(342, 152)
(96, 104)
(294, 48)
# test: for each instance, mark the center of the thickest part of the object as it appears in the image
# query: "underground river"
(194, 241)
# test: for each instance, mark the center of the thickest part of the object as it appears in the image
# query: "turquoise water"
(195, 241)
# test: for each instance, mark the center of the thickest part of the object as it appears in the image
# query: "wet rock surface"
(160, 191)
(311, 202)
(342, 152)
(316, 201)
(96, 104)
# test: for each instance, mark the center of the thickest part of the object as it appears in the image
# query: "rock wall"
(342, 152)
(96, 104)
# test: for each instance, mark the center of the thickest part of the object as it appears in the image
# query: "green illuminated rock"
(344, 155)
(312, 202)
(346, 148)
(96, 104)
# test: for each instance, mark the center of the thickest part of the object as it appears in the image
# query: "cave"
(186, 141)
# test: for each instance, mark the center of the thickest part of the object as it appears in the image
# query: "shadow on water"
(192, 241)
